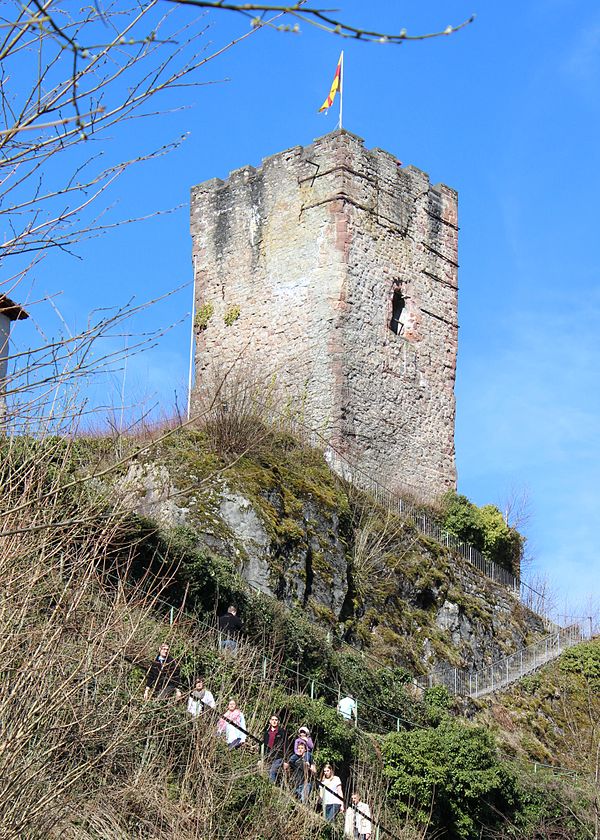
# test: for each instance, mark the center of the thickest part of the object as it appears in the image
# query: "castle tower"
(334, 270)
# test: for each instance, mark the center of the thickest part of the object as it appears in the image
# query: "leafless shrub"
(539, 595)
(382, 541)
(242, 410)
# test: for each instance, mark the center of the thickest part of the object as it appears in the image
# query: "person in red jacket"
(275, 746)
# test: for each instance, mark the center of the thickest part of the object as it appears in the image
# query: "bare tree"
(70, 79)
(516, 507)
(539, 595)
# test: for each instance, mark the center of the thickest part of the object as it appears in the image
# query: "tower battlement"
(335, 268)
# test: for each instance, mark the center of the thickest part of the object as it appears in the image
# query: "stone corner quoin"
(332, 271)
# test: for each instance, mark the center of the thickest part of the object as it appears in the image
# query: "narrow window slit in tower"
(397, 322)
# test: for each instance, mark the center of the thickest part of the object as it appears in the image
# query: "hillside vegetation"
(87, 591)
(553, 715)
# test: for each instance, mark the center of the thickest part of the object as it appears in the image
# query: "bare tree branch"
(321, 19)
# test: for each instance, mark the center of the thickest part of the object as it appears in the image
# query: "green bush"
(461, 518)
(550, 808)
(484, 528)
(449, 777)
(583, 659)
(437, 702)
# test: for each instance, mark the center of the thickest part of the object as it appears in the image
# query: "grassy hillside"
(83, 756)
(553, 716)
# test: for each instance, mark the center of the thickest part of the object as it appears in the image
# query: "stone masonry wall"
(310, 250)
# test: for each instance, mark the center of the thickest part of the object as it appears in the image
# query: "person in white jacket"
(357, 824)
(331, 793)
(347, 707)
(200, 699)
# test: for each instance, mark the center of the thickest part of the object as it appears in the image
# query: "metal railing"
(505, 671)
(423, 522)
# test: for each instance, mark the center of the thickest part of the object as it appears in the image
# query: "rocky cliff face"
(296, 533)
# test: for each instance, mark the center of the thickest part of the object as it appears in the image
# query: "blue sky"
(507, 112)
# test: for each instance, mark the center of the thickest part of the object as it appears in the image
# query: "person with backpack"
(302, 771)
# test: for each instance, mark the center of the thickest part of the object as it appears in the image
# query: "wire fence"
(503, 672)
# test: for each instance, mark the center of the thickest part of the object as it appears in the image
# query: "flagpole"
(191, 366)
(341, 85)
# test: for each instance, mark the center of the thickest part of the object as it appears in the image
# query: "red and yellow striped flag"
(335, 86)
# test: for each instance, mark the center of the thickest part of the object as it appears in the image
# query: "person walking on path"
(275, 744)
(200, 699)
(330, 791)
(357, 824)
(233, 726)
(347, 707)
(163, 679)
(230, 626)
(302, 771)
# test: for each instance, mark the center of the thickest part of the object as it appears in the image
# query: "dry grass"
(81, 755)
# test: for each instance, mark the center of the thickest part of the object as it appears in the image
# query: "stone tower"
(333, 270)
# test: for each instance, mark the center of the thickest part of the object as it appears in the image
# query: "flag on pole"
(335, 85)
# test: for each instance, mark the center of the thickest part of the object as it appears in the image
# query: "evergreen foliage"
(484, 528)
(449, 778)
